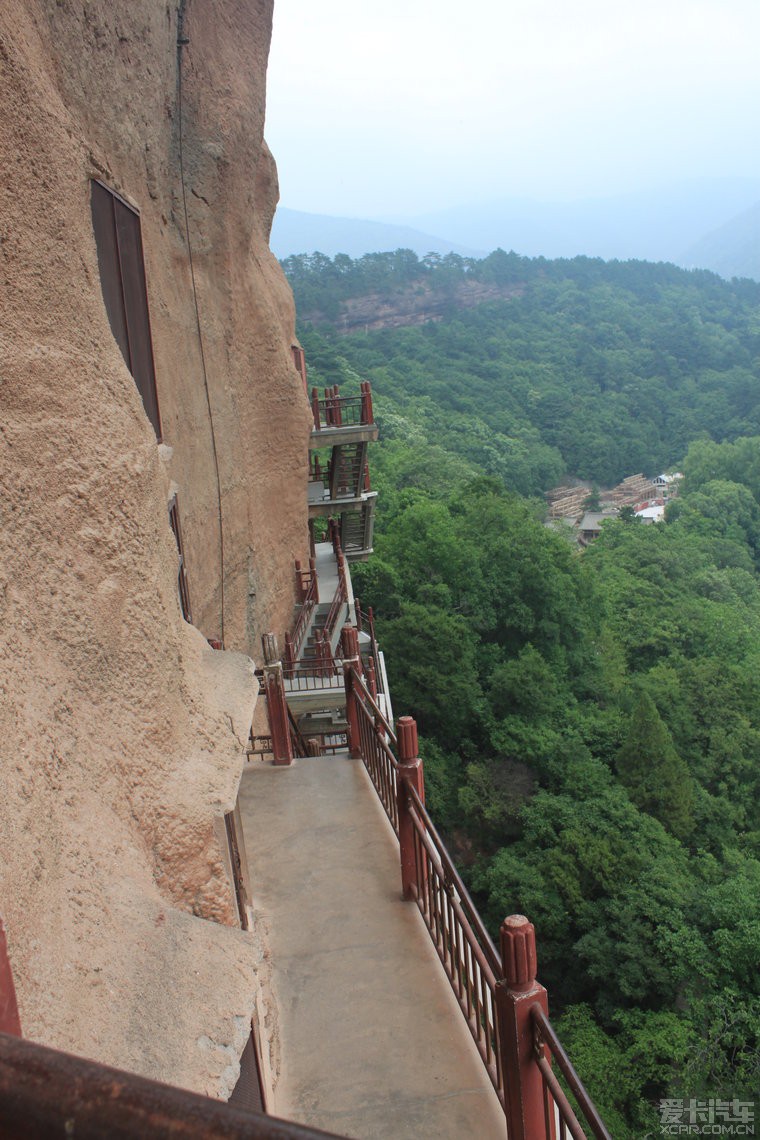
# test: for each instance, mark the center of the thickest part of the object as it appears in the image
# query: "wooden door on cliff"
(122, 278)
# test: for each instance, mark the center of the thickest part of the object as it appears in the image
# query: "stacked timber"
(634, 489)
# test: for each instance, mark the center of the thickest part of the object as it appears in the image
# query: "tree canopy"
(590, 720)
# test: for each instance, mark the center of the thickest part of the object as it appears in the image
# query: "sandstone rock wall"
(121, 732)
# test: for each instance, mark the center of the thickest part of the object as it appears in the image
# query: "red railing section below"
(504, 1005)
(335, 410)
(46, 1093)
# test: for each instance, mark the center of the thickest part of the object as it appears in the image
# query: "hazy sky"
(409, 106)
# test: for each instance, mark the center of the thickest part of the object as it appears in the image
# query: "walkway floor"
(327, 572)
(372, 1041)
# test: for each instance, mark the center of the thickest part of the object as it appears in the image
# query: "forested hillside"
(590, 721)
(599, 369)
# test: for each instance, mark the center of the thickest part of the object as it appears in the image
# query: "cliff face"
(122, 732)
(419, 304)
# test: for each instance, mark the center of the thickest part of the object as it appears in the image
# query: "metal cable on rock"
(181, 43)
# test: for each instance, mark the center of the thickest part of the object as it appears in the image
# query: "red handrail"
(339, 600)
(45, 1092)
(294, 641)
(334, 410)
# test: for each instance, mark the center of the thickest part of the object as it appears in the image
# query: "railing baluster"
(432, 877)
(486, 1014)
(458, 948)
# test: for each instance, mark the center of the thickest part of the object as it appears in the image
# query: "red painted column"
(290, 659)
(409, 774)
(371, 678)
(368, 416)
(516, 992)
(352, 713)
(277, 710)
(349, 638)
(10, 1022)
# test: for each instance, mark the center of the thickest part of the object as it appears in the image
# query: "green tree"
(657, 779)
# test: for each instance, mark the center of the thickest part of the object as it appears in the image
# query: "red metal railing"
(306, 588)
(46, 1093)
(330, 741)
(322, 662)
(306, 581)
(298, 744)
(325, 664)
(464, 946)
(556, 1105)
(311, 677)
(260, 745)
(375, 745)
(504, 1006)
(335, 410)
(335, 614)
(319, 472)
(369, 618)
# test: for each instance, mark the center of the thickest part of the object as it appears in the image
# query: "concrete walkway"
(327, 573)
(372, 1042)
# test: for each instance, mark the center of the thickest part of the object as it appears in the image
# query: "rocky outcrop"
(417, 304)
(122, 733)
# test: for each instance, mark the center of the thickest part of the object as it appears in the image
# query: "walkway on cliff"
(372, 1042)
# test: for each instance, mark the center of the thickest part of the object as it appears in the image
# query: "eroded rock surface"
(122, 733)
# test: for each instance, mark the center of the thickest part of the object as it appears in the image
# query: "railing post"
(10, 1022)
(409, 774)
(367, 413)
(277, 707)
(371, 678)
(516, 992)
(349, 646)
(290, 658)
(315, 408)
(352, 713)
(342, 580)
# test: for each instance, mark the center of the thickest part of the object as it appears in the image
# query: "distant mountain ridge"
(732, 250)
(296, 232)
(710, 224)
(649, 225)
